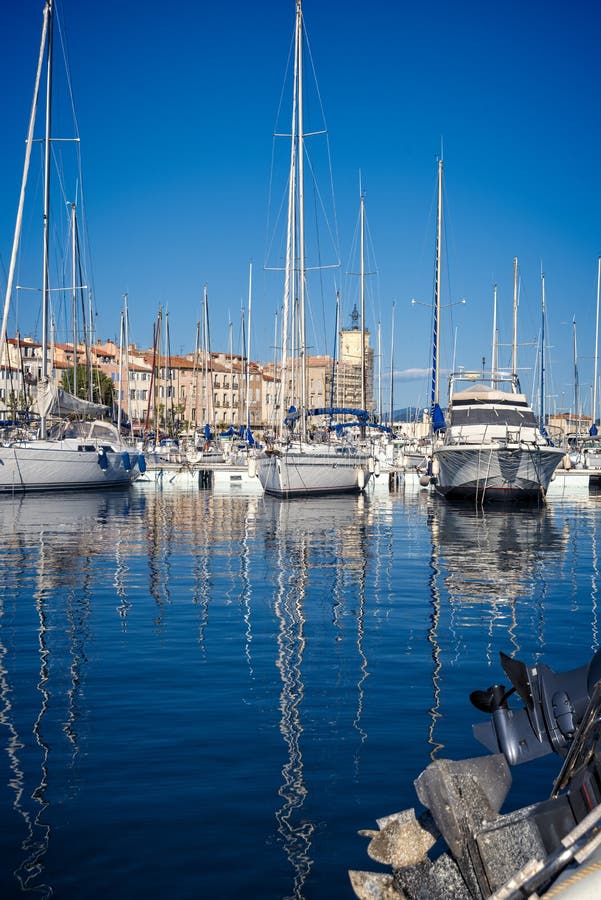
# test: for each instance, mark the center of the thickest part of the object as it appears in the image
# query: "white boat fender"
(103, 460)
(377, 468)
(252, 467)
(424, 480)
(360, 479)
(371, 465)
(435, 467)
(567, 462)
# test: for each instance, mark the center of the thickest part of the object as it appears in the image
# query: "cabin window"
(473, 415)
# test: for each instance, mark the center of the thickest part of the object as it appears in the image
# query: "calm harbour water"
(208, 695)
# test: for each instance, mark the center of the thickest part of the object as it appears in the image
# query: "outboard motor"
(485, 852)
(555, 705)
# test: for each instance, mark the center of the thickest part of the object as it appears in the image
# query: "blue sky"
(177, 105)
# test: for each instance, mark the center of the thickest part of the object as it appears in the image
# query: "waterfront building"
(167, 394)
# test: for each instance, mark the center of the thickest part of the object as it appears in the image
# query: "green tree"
(103, 390)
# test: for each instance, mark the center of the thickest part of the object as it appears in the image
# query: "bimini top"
(481, 393)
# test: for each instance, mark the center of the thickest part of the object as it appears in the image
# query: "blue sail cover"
(438, 422)
(361, 414)
(342, 425)
(292, 416)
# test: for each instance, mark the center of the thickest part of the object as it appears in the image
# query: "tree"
(103, 390)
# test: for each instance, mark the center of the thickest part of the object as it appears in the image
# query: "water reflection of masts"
(363, 671)
(78, 614)
(202, 581)
(246, 592)
(351, 566)
(119, 583)
(292, 577)
(161, 527)
(36, 845)
(14, 745)
(594, 587)
(435, 606)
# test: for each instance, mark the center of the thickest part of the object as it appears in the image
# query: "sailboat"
(295, 466)
(80, 450)
(493, 447)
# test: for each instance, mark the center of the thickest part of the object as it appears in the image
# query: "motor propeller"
(495, 697)
(554, 706)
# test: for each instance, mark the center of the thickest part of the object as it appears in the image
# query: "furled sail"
(55, 401)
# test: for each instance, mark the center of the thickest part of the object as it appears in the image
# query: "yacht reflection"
(304, 534)
(482, 563)
(492, 556)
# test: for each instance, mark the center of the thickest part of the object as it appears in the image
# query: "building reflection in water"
(490, 572)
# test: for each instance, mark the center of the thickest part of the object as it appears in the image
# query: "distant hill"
(409, 414)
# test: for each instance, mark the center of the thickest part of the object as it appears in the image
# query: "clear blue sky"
(177, 105)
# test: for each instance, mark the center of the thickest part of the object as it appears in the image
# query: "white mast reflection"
(37, 842)
(292, 576)
(246, 593)
(434, 711)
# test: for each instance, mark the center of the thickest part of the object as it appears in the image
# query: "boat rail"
(507, 435)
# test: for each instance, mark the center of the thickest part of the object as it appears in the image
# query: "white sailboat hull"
(490, 471)
(295, 473)
(64, 465)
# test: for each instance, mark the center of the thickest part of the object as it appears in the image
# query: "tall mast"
(197, 376)
(514, 353)
(209, 364)
(594, 410)
(301, 215)
(542, 354)
(168, 407)
(363, 387)
(28, 147)
(335, 354)
(392, 369)
(576, 381)
(275, 373)
(495, 346)
(74, 293)
(241, 401)
(250, 296)
(126, 335)
(231, 345)
(437, 277)
(120, 394)
(46, 254)
(89, 343)
(288, 305)
(379, 371)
